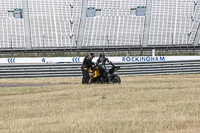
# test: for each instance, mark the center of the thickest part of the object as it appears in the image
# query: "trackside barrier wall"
(74, 69)
(125, 59)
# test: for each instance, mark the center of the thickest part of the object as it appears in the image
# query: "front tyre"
(115, 79)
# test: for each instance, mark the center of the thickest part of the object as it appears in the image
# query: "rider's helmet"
(102, 55)
(92, 54)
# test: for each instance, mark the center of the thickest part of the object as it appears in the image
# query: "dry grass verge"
(142, 104)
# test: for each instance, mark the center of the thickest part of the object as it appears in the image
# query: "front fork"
(109, 81)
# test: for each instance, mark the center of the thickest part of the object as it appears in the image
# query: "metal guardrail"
(74, 69)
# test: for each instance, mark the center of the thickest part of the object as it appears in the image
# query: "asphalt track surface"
(30, 85)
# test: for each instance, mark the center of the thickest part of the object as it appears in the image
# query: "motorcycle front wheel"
(115, 79)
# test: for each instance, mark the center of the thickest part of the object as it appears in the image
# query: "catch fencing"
(74, 69)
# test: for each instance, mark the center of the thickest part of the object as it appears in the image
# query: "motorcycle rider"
(87, 63)
(101, 66)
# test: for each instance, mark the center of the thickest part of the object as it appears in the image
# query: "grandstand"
(12, 30)
(116, 26)
(64, 24)
(170, 21)
(54, 23)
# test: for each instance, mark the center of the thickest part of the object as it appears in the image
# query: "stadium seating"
(113, 31)
(12, 30)
(116, 26)
(115, 4)
(54, 23)
(170, 22)
(195, 31)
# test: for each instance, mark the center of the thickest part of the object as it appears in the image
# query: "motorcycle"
(111, 78)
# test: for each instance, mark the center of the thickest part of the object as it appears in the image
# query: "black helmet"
(92, 54)
(101, 55)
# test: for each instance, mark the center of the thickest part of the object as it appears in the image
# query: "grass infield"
(141, 104)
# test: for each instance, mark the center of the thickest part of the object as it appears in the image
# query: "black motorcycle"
(111, 78)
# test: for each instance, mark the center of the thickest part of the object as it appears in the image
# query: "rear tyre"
(115, 79)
